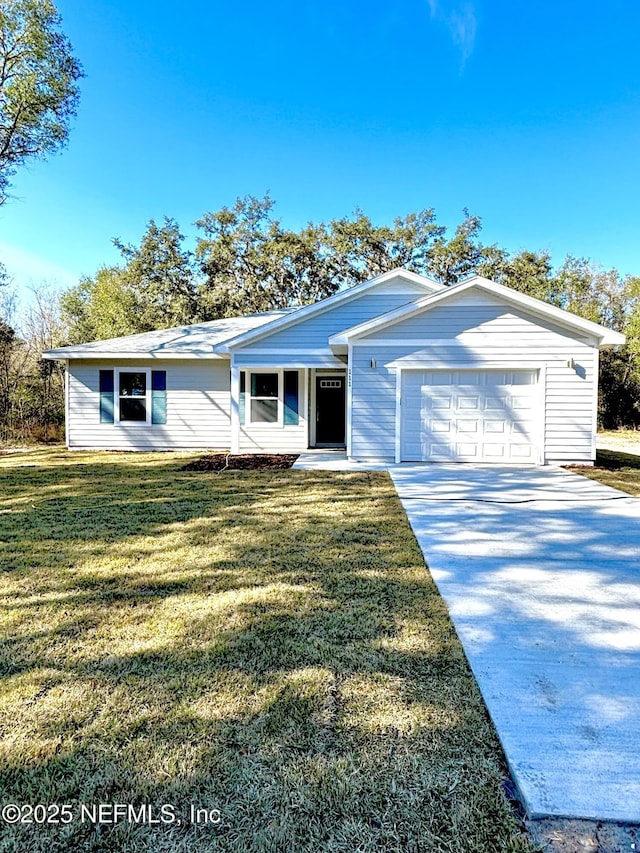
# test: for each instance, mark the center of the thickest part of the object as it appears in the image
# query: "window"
(133, 396)
(141, 396)
(273, 397)
(264, 398)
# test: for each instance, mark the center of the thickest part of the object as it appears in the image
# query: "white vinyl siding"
(478, 332)
(470, 317)
(289, 439)
(312, 334)
(197, 407)
(277, 437)
(373, 405)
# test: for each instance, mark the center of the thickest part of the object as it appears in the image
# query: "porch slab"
(334, 460)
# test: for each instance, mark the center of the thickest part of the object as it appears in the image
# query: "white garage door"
(469, 416)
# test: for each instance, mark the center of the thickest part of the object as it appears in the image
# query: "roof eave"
(613, 341)
(72, 354)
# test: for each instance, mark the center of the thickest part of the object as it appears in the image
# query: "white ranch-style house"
(399, 368)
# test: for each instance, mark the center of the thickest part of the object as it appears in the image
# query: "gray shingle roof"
(199, 340)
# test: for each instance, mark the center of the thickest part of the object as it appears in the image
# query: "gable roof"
(198, 341)
(306, 311)
(215, 338)
(606, 337)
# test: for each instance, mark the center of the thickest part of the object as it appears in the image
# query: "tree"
(31, 389)
(251, 263)
(160, 277)
(619, 403)
(362, 250)
(13, 364)
(41, 390)
(529, 272)
(38, 84)
(247, 262)
(98, 308)
(8, 344)
(154, 289)
(454, 259)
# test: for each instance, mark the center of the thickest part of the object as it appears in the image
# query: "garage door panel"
(467, 450)
(440, 452)
(523, 377)
(435, 377)
(522, 451)
(467, 377)
(494, 451)
(439, 403)
(495, 404)
(468, 403)
(490, 416)
(496, 377)
(521, 403)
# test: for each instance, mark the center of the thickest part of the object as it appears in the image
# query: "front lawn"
(615, 468)
(267, 646)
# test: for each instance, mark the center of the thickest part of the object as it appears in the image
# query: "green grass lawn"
(616, 468)
(266, 644)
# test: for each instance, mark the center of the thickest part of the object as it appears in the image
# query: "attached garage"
(470, 416)
(474, 373)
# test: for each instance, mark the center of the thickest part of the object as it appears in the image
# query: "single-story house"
(398, 368)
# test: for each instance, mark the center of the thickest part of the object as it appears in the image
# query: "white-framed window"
(269, 398)
(265, 405)
(133, 395)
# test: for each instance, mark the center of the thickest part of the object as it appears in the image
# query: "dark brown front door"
(330, 410)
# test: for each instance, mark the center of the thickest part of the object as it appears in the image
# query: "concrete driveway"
(540, 569)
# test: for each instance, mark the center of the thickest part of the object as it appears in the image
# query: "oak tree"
(38, 84)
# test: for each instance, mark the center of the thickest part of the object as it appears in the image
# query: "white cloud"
(460, 19)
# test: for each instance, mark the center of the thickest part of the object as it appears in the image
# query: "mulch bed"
(242, 462)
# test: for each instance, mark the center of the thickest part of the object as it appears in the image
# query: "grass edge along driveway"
(267, 644)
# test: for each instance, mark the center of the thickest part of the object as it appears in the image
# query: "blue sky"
(526, 113)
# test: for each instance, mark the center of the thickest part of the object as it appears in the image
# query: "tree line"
(244, 260)
(31, 389)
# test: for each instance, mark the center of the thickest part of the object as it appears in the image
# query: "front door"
(330, 410)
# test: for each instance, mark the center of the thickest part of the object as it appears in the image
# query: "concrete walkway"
(540, 569)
